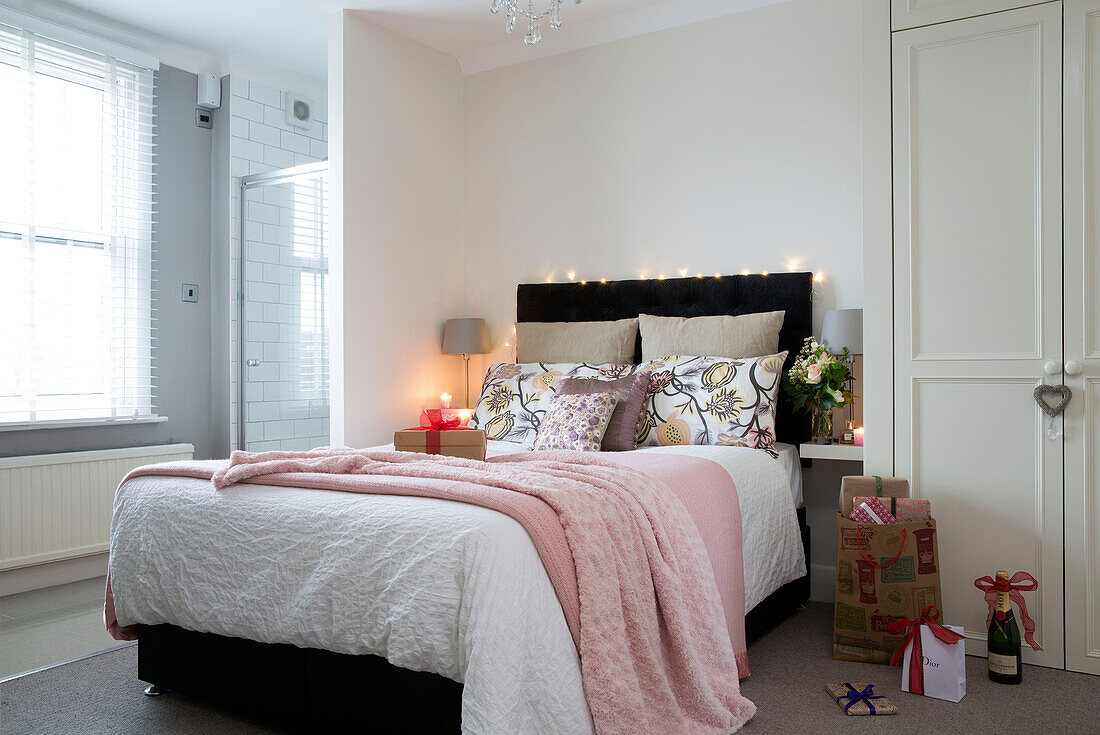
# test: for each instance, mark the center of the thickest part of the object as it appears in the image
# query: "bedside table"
(842, 452)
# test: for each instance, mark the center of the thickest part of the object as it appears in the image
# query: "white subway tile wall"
(286, 394)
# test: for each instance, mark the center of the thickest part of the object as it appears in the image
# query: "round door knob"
(1074, 367)
(252, 363)
(1052, 367)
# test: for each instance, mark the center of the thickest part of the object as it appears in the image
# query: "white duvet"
(431, 585)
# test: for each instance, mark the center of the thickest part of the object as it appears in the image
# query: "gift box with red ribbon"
(442, 435)
(456, 442)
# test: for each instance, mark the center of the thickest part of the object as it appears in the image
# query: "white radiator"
(58, 506)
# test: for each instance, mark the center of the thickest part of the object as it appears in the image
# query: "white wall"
(720, 146)
(725, 145)
(395, 151)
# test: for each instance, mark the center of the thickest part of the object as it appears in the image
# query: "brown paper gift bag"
(883, 573)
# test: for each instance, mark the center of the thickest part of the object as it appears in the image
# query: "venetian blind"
(77, 268)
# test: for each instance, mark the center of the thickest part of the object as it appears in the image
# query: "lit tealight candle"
(464, 416)
(859, 436)
(445, 400)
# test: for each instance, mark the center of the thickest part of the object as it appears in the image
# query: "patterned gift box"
(904, 510)
(872, 510)
(859, 698)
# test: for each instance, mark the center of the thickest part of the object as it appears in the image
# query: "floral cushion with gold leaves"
(515, 397)
(712, 400)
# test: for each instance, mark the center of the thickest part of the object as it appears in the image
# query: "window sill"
(81, 423)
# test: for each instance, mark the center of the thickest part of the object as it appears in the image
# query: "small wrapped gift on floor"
(453, 442)
(860, 699)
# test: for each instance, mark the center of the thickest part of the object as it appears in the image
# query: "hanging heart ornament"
(1041, 393)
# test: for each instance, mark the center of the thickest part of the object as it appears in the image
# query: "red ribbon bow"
(437, 420)
(929, 616)
(1013, 587)
(443, 424)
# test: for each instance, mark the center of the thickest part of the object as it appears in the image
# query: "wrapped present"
(872, 510)
(865, 486)
(450, 442)
(904, 510)
(860, 699)
(932, 656)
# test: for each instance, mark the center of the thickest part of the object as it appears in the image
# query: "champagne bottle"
(1004, 641)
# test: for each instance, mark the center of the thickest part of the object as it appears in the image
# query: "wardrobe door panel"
(912, 13)
(1082, 256)
(978, 300)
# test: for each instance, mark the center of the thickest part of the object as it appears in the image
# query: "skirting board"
(38, 576)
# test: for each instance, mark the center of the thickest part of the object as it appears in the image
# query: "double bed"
(328, 610)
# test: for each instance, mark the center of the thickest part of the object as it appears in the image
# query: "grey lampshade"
(466, 337)
(843, 328)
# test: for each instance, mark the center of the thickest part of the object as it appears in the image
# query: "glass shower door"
(284, 324)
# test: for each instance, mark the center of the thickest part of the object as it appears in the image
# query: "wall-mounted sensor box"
(204, 118)
(210, 91)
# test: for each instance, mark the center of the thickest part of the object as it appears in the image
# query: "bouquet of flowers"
(817, 382)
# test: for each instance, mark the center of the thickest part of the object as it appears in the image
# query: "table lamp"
(466, 337)
(844, 328)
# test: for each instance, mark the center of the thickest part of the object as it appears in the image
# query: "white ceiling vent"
(299, 110)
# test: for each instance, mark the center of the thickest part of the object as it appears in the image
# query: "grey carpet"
(102, 696)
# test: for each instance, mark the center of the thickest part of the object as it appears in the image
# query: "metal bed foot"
(155, 690)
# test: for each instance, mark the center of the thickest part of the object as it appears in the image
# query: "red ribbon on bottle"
(929, 616)
(1013, 587)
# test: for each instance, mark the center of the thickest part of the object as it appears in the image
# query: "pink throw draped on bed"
(623, 542)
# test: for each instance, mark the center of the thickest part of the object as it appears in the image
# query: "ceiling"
(292, 34)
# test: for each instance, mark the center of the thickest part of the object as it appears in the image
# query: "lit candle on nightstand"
(445, 400)
(859, 436)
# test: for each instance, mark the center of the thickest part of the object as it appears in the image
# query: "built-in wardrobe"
(995, 267)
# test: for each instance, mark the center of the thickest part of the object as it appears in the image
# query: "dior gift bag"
(884, 574)
(934, 662)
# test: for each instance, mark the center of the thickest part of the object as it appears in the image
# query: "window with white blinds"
(76, 234)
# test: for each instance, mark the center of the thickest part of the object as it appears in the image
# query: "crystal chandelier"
(534, 35)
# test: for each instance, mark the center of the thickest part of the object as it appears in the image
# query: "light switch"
(190, 292)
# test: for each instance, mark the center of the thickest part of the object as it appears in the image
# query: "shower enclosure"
(283, 322)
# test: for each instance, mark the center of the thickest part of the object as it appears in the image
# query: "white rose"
(813, 374)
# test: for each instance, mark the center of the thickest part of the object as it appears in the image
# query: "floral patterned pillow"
(576, 421)
(712, 400)
(514, 398)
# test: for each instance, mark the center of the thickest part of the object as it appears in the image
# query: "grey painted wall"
(183, 347)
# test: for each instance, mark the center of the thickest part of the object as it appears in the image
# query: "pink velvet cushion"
(576, 422)
(631, 392)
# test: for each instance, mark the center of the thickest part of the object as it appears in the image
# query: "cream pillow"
(747, 335)
(595, 343)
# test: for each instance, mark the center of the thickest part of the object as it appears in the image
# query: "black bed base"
(310, 690)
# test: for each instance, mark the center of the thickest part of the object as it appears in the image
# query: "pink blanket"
(621, 549)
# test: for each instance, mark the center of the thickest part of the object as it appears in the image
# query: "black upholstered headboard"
(707, 296)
